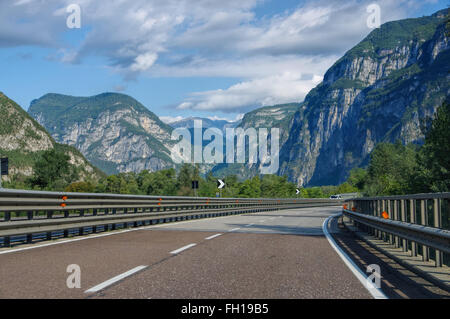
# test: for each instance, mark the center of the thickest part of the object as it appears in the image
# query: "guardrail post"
(396, 238)
(383, 208)
(424, 221)
(412, 220)
(403, 218)
(437, 214)
(7, 216)
(30, 215)
(390, 210)
(7, 241)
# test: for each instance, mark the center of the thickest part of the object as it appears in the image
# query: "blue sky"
(183, 58)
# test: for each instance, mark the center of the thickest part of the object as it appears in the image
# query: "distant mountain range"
(382, 90)
(206, 123)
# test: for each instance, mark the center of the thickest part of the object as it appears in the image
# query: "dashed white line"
(234, 229)
(179, 250)
(111, 281)
(249, 225)
(213, 236)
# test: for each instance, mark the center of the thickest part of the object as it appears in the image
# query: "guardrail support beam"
(438, 224)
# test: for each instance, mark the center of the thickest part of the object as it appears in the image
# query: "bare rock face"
(22, 139)
(114, 131)
(381, 90)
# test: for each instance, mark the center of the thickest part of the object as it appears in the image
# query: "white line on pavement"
(374, 291)
(249, 225)
(111, 281)
(213, 236)
(179, 250)
(234, 229)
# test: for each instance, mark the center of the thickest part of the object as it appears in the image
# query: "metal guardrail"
(30, 214)
(414, 223)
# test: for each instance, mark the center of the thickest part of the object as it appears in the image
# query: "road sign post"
(3, 168)
(195, 187)
(220, 186)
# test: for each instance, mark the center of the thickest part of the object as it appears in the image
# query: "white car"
(335, 197)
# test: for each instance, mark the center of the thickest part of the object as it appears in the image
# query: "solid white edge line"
(113, 280)
(179, 250)
(374, 291)
(213, 236)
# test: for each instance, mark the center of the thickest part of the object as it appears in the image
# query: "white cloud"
(144, 61)
(276, 58)
(171, 119)
(270, 90)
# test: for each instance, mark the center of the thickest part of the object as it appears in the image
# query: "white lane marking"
(262, 221)
(179, 250)
(249, 225)
(89, 236)
(213, 236)
(374, 291)
(111, 281)
(234, 229)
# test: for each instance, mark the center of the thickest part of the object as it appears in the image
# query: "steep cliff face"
(114, 131)
(22, 139)
(381, 90)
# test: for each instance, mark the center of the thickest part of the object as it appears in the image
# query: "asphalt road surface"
(282, 254)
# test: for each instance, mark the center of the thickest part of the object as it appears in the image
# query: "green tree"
(80, 187)
(251, 188)
(53, 171)
(433, 174)
(390, 169)
(357, 178)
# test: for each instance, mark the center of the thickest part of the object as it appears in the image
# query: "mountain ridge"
(376, 92)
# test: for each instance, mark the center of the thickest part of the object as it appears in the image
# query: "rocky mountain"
(381, 90)
(22, 139)
(277, 116)
(114, 131)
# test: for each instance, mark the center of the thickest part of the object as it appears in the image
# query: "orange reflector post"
(385, 215)
(353, 209)
(63, 205)
(64, 198)
(344, 206)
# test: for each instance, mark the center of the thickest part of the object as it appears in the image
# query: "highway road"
(282, 254)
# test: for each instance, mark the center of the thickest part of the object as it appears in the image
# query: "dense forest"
(393, 169)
